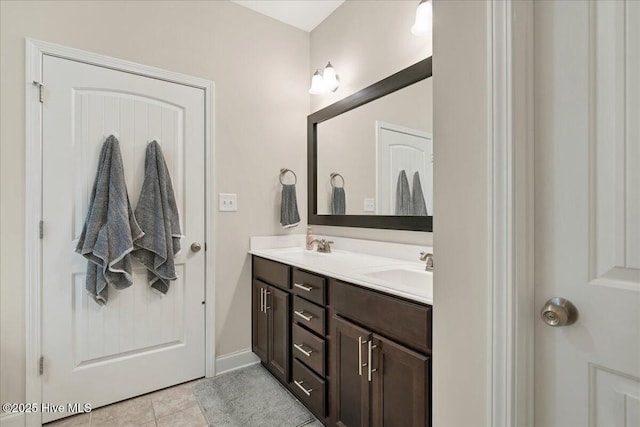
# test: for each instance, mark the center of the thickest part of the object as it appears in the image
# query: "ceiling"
(303, 14)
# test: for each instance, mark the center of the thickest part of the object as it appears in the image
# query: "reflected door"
(587, 211)
(140, 341)
(400, 148)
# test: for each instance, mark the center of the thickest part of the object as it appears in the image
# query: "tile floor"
(171, 407)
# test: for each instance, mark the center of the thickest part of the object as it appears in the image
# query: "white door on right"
(587, 211)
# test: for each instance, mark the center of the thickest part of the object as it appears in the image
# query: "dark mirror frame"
(410, 75)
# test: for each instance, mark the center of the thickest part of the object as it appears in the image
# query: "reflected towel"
(403, 195)
(289, 216)
(338, 201)
(157, 214)
(110, 228)
(418, 206)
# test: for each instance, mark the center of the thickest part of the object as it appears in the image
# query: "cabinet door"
(400, 386)
(259, 320)
(279, 331)
(350, 398)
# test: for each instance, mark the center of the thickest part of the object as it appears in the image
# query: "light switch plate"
(369, 205)
(228, 202)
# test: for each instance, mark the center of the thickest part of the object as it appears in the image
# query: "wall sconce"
(424, 19)
(323, 81)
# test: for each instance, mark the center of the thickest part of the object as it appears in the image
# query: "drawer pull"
(304, 390)
(304, 316)
(303, 287)
(302, 350)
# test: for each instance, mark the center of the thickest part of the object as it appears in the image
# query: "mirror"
(370, 155)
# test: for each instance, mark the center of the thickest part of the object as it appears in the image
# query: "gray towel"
(289, 216)
(157, 214)
(338, 201)
(110, 228)
(418, 206)
(403, 195)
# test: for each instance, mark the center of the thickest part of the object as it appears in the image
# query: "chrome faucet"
(324, 245)
(428, 257)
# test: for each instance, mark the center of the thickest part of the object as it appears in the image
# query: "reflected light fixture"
(324, 80)
(424, 19)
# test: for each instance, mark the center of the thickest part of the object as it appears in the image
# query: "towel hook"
(334, 175)
(283, 171)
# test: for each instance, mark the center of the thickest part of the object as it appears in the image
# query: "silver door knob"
(195, 247)
(558, 312)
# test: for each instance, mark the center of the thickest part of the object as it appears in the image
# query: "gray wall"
(259, 128)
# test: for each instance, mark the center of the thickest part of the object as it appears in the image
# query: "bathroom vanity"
(346, 334)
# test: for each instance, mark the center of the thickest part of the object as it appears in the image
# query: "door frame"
(511, 311)
(34, 53)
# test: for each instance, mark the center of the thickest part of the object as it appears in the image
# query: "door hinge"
(40, 89)
(41, 229)
(41, 365)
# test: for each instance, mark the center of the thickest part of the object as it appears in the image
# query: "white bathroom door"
(140, 341)
(401, 148)
(587, 211)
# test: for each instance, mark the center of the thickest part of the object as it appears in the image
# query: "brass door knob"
(195, 247)
(558, 312)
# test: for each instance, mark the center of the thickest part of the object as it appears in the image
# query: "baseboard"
(236, 360)
(12, 420)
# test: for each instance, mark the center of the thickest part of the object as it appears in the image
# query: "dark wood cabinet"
(271, 321)
(350, 402)
(377, 382)
(399, 385)
(278, 303)
(260, 321)
(353, 356)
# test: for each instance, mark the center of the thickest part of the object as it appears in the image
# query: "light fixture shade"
(317, 84)
(424, 19)
(331, 79)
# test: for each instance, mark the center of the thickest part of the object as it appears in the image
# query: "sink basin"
(407, 278)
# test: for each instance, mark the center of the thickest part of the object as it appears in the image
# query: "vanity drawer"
(309, 349)
(310, 315)
(309, 388)
(309, 286)
(271, 272)
(404, 321)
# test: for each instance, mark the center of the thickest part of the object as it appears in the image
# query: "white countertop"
(394, 276)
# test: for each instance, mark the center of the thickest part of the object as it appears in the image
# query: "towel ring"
(334, 175)
(283, 172)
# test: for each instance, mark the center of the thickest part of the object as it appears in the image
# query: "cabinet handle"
(303, 287)
(302, 350)
(304, 390)
(262, 300)
(266, 307)
(360, 356)
(370, 370)
(304, 316)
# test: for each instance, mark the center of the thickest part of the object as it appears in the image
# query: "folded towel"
(157, 214)
(289, 216)
(403, 195)
(110, 228)
(418, 206)
(338, 201)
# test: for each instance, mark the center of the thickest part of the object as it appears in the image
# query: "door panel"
(260, 321)
(139, 341)
(401, 148)
(350, 398)
(587, 215)
(279, 331)
(400, 386)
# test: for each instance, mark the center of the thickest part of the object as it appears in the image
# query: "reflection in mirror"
(383, 153)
